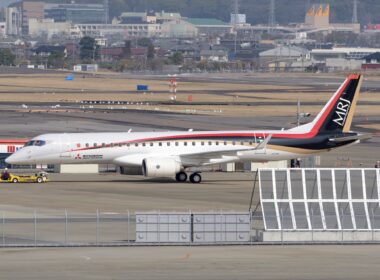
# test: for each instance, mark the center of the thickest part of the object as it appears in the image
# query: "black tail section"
(337, 115)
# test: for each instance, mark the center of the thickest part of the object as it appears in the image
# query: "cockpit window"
(35, 143)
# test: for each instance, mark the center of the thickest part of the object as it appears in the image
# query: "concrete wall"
(320, 236)
(343, 64)
(269, 164)
(253, 166)
(76, 168)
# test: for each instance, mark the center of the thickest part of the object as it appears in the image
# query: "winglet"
(263, 144)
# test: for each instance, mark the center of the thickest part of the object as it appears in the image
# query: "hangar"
(8, 147)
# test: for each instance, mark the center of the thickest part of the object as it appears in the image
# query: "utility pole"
(300, 115)
(355, 12)
(106, 11)
(93, 53)
(235, 19)
(272, 15)
(298, 112)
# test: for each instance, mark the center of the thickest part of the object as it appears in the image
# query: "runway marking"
(185, 257)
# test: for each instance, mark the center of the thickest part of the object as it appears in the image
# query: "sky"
(4, 3)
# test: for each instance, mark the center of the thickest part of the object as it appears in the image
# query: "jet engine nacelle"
(160, 167)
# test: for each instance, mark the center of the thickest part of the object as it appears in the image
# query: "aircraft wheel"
(181, 177)
(195, 178)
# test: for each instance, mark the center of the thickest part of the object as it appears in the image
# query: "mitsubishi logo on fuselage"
(341, 111)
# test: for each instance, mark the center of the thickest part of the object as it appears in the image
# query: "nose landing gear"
(195, 178)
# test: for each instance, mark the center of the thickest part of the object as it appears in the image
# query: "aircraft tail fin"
(338, 112)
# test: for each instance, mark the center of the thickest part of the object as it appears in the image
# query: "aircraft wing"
(220, 156)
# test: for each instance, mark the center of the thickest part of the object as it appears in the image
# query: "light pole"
(93, 53)
(299, 114)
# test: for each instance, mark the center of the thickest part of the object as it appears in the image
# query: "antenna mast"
(272, 15)
(355, 12)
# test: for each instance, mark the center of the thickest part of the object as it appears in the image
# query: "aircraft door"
(65, 147)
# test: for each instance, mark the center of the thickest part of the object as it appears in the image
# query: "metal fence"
(130, 229)
(67, 229)
(293, 205)
(320, 199)
(123, 229)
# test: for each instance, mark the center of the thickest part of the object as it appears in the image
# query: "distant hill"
(287, 11)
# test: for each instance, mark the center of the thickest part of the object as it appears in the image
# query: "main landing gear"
(181, 177)
(195, 178)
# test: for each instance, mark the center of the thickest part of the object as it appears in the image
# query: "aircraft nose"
(17, 158)
(12, 159)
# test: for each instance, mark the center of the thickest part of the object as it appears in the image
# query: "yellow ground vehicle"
(40, 177)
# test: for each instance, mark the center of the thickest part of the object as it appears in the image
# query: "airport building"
(48, 28)
(372, 28)
(341, 58)
(168, 29)
(283, 57)
(76, 13)
(347, 53)
(3, 23)
(371, 62)
(21, 12)
(318, 16)
(148, 17)
(211, 26)
(13, 18)
(8, 147)
(3, 26)
(214, 55)
(295, 58)
(128, 30)
(178, 29)
(42, 16)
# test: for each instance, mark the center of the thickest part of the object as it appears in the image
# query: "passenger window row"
(160, 144)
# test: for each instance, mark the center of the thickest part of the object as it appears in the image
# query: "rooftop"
(346, 50)
(133, 14)
(49, 49)
(166, 15)
(207, 21)
(374, 56)
(286, 51)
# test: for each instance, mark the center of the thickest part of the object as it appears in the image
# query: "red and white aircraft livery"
(169, 154)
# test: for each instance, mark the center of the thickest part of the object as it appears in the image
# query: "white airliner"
(169, 154)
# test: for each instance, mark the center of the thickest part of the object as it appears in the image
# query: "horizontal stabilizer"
(350, 138)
